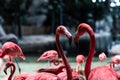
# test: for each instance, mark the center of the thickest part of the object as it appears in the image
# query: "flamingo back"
(102, 73)
(12, 49)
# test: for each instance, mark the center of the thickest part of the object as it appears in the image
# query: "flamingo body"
(102, 73)
(12, 49)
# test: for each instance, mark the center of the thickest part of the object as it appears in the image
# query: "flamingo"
(102, 56)
(61, 30)
(11, 50)
(79, 59)
(50, 55)
(98, 73)
(67, 74)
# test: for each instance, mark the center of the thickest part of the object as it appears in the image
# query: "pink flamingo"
(102, 56)
(67, 74)
(50, 55)
(96, 73)
(63, 31)
(11, 50)
(79, 59)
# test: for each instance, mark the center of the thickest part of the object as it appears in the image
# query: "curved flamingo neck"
(90, 55)
(65, 61)
(86, 28)
(13, 71)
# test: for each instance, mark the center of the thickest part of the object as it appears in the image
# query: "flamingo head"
(8, 64)
(80, 59)
(64, 31)
(81, 29)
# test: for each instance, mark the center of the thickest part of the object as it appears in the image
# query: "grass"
(30, 65)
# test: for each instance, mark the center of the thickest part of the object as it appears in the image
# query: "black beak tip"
(5, 72)
(70, 40)
(76, 43)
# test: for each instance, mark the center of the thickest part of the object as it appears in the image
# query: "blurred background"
(32, 24)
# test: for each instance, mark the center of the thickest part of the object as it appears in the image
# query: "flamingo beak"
(23, 56)
(70, 40)
(69, 36)
(39, 59)
(5, 71)
(76, 39)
